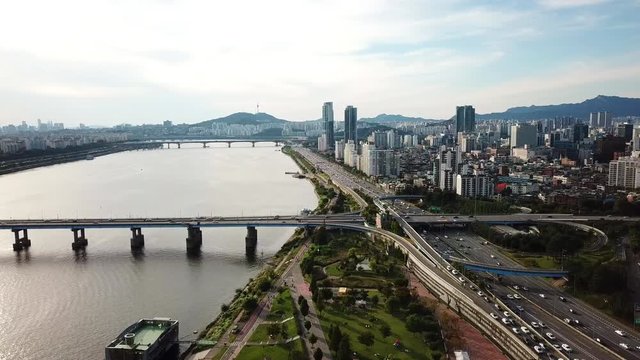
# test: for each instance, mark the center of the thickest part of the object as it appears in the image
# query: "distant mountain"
(618, 106)
(243, 118)
(387, 118)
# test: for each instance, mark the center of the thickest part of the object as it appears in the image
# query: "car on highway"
(461, 279)
(624, 346)
(563, 299)
(538, 350)
(448, 268)
(455, 272)
(506, 314)
(534, 325)
(516, 287)
(515, 330)
(621, 333)
(542, 325)
(566, 348)
(572, 311)
(567, 320)
(493, 315)
(524, 330)
(517, 297)
(480, 293)
(520, 308)
(550, 336)
(509, 296)
(542, 296)
(493, 256)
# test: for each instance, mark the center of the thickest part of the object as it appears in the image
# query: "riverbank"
(51, 158)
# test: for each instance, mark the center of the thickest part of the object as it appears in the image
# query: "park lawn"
(262, 332)
(275, 352)
(353, 323)
(333, 270)
(282, 307)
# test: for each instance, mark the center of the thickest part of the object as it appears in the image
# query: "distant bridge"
(206, 142)
(507, 271)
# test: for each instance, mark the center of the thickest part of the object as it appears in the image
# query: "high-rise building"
(600, 119)
(635, 140)
(339, 150)
(524, 134)
(625, 172)
(476, 185)
(624, 130)
(350, 154)
(327, 119)
(580, 131)
(350, 125)
(465, 119)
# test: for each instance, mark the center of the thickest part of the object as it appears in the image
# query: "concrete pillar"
(228, 143)
(178, 145)
(307, 231)
(251, 240)
(21, 242)
(194, 239)
(204, 145)
(253, 144)
(137, 238)
(79, 239)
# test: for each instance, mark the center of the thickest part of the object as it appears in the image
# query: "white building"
(523, 153)
(351, 154)
(323, 144)
(625, 172)
(477, 185)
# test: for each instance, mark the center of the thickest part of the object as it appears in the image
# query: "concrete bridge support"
(178, 145)
(204, 145)
(21, 242)
(194, 239)
(228, 143)
(253, 144)
(79, 239)
(137, 239)
(251, 240)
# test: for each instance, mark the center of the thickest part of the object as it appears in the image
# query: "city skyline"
(107, 63)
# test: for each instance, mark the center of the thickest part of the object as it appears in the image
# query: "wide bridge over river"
(193, 225)
(206, 142)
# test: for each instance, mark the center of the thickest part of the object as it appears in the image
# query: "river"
(55, 304)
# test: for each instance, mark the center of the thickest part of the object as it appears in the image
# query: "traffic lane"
(566, 331)
(582, 347)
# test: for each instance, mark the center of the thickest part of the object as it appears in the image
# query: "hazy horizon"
(104, 63)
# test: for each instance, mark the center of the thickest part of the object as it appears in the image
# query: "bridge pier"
(228, 143)
(204, 145)
(79, 240)
(194, 239)
(253, 144)
(178, 145)
(21, 242)
(251, 240)
(137, 238)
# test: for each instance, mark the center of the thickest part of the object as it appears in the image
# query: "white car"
(493, 315)
(505, 321)
(524, 330)
(506, 314)
(455, 272)
(493, 256)
(542, 325)
(515, 330)
(462, 280)
(624, 346)
(448, 268)
(566, 348)
(509, 296)
(480, 293)
(550, 336)
(516, 287)
(621, 333)
(542, 296)
(538, 350)
(534, 325)
(517, 297)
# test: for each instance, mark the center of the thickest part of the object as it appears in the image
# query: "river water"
(55, 304)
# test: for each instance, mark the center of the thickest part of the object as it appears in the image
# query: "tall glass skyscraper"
(465, 119)
(327, 118)
(350, 127)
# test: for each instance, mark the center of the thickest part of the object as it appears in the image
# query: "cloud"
(562, 4)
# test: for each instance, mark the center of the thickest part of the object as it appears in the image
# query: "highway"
(549, 310)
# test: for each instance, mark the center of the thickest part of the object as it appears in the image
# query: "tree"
(374, 300)
(250, 304)
(385, 330)
(273, 329)
(393, 304)
(317, 355)
(307, 325)
(335, 337)
(224, 307)
(344, 349)
(313, 339)
(264, 284)
(415, 323)
(366, 338)
(304, 308)
(296, 355)
(300, 299)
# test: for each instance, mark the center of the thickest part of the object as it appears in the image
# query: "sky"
(108, 62)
